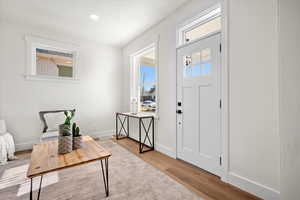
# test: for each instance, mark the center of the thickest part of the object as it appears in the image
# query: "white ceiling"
(119, 20)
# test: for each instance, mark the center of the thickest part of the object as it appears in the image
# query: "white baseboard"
(253, 187)
(25, 146)
(158, 147)
(102, 134)
(165, 150)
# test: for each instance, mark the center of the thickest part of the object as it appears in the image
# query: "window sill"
(50, 78)
(155, 115)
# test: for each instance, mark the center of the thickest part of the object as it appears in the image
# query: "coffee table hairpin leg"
(40, 187)
(105, 175)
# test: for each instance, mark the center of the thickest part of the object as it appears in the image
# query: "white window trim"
(33, 42)
(193, 22)
(134, 77)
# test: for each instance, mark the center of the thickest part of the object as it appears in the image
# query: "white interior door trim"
(224, 93)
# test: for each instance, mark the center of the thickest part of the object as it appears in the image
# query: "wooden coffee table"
(45, 159)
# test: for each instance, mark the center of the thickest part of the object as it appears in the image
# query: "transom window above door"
(202, 30)
(207, 23)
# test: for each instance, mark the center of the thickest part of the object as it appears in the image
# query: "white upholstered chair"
(7, 145)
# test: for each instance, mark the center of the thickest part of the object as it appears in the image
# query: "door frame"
(224, 81)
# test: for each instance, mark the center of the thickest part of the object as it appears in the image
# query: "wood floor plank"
(201, 182)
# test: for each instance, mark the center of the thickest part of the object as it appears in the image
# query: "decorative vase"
(64, 141)
(77, 142)
(64, 144)
(63, 128)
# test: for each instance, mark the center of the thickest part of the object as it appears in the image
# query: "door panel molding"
(198, 88)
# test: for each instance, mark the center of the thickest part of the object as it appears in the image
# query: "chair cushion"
(10, 146)
(3, 151)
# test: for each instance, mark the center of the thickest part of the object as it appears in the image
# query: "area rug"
(130, 178)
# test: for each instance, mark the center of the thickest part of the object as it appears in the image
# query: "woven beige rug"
(130, 178)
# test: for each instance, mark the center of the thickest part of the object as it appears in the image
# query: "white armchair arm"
(10, 146)
(3, 151)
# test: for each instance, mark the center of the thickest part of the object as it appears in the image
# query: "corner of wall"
(165, 150)
(253, 187)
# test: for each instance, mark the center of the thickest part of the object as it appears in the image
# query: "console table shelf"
(146, 129)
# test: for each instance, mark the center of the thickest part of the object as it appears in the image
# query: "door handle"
(179, 111)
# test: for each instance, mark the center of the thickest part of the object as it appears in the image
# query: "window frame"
(32, 43)
(135, 78)
(196, 21)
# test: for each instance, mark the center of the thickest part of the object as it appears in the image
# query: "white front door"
(199, 104)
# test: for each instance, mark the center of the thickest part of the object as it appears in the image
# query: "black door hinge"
(220, 103)
(220, 47)
(220, 160)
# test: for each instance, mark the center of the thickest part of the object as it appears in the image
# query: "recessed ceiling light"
(94, 17)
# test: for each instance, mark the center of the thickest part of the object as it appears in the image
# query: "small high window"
(48, 59)
(54, 63)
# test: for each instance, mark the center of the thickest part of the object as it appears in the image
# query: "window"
(144, 76)
(50, 59)
(208, 22)
(198, 64)
(211, 26)
(54, 63)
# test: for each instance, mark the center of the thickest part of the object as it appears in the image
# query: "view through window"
(54, 63)
(147, 82)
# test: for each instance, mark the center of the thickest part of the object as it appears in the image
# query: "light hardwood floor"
(201, 182)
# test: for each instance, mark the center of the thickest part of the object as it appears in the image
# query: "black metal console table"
(141, 117)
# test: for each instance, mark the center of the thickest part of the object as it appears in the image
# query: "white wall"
(289, 45)
(96, 96)
(253, 80)
(253, 90)
(166, 33)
